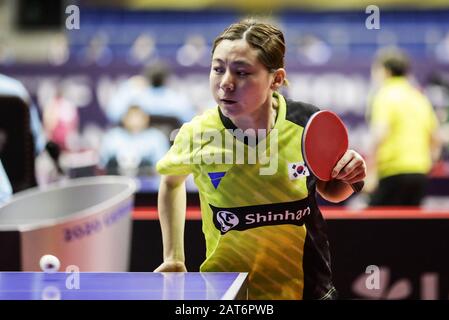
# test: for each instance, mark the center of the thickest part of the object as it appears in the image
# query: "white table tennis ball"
(49, 263)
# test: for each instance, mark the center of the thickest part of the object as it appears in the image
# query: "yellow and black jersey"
(258, 202)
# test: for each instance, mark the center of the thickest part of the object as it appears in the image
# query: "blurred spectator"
(21, 137)
(153, 95)
(44, 166)
(404, 131)
(143, 50)
(161, 100)
(13, 87)
(5, 186)
(58, 51)
(97, 52)
(312, 50)
(124, 96)
(442, 49)
(61, 121)
(133, 148)
(438, 90)
(195, 51)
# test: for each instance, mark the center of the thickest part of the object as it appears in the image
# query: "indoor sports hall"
(93, 94)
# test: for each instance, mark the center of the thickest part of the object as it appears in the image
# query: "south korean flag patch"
(297, 170)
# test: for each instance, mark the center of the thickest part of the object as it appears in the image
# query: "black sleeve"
(300, 112)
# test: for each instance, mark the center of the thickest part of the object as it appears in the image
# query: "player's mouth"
(228, 102)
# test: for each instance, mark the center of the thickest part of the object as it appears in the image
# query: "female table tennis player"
(260, 216)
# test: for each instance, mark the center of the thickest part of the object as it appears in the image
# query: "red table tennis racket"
(324, 142)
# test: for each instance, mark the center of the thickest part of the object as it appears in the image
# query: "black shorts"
(400, 190)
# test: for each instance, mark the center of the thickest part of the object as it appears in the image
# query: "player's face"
(240, 83)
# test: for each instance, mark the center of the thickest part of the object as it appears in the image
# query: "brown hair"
(268, 39)
(394, 60)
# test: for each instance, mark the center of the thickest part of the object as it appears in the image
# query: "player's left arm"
(351, 168)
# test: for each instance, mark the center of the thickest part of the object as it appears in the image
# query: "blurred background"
(97, 73)
(94, 88)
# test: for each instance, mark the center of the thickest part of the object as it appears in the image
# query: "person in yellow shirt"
(404, 131)
(257, 196)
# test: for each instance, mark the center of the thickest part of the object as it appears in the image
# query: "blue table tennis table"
(123, 286)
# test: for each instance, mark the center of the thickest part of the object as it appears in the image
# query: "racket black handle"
(358, 186)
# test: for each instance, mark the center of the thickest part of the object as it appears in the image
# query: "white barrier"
(85, 222)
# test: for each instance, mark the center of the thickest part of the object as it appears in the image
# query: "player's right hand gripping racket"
(324, 142)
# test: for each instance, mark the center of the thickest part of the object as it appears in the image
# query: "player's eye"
(218, 70)
(242, 73)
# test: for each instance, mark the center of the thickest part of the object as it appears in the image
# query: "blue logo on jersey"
(215, 178)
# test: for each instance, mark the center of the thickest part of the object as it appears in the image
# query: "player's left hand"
(171, 266)
(350, 168)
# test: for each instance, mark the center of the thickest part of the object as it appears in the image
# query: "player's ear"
(278, 78)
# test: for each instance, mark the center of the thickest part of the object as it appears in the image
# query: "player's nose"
(227, 82)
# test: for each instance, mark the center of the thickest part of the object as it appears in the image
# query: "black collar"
(227, 123)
